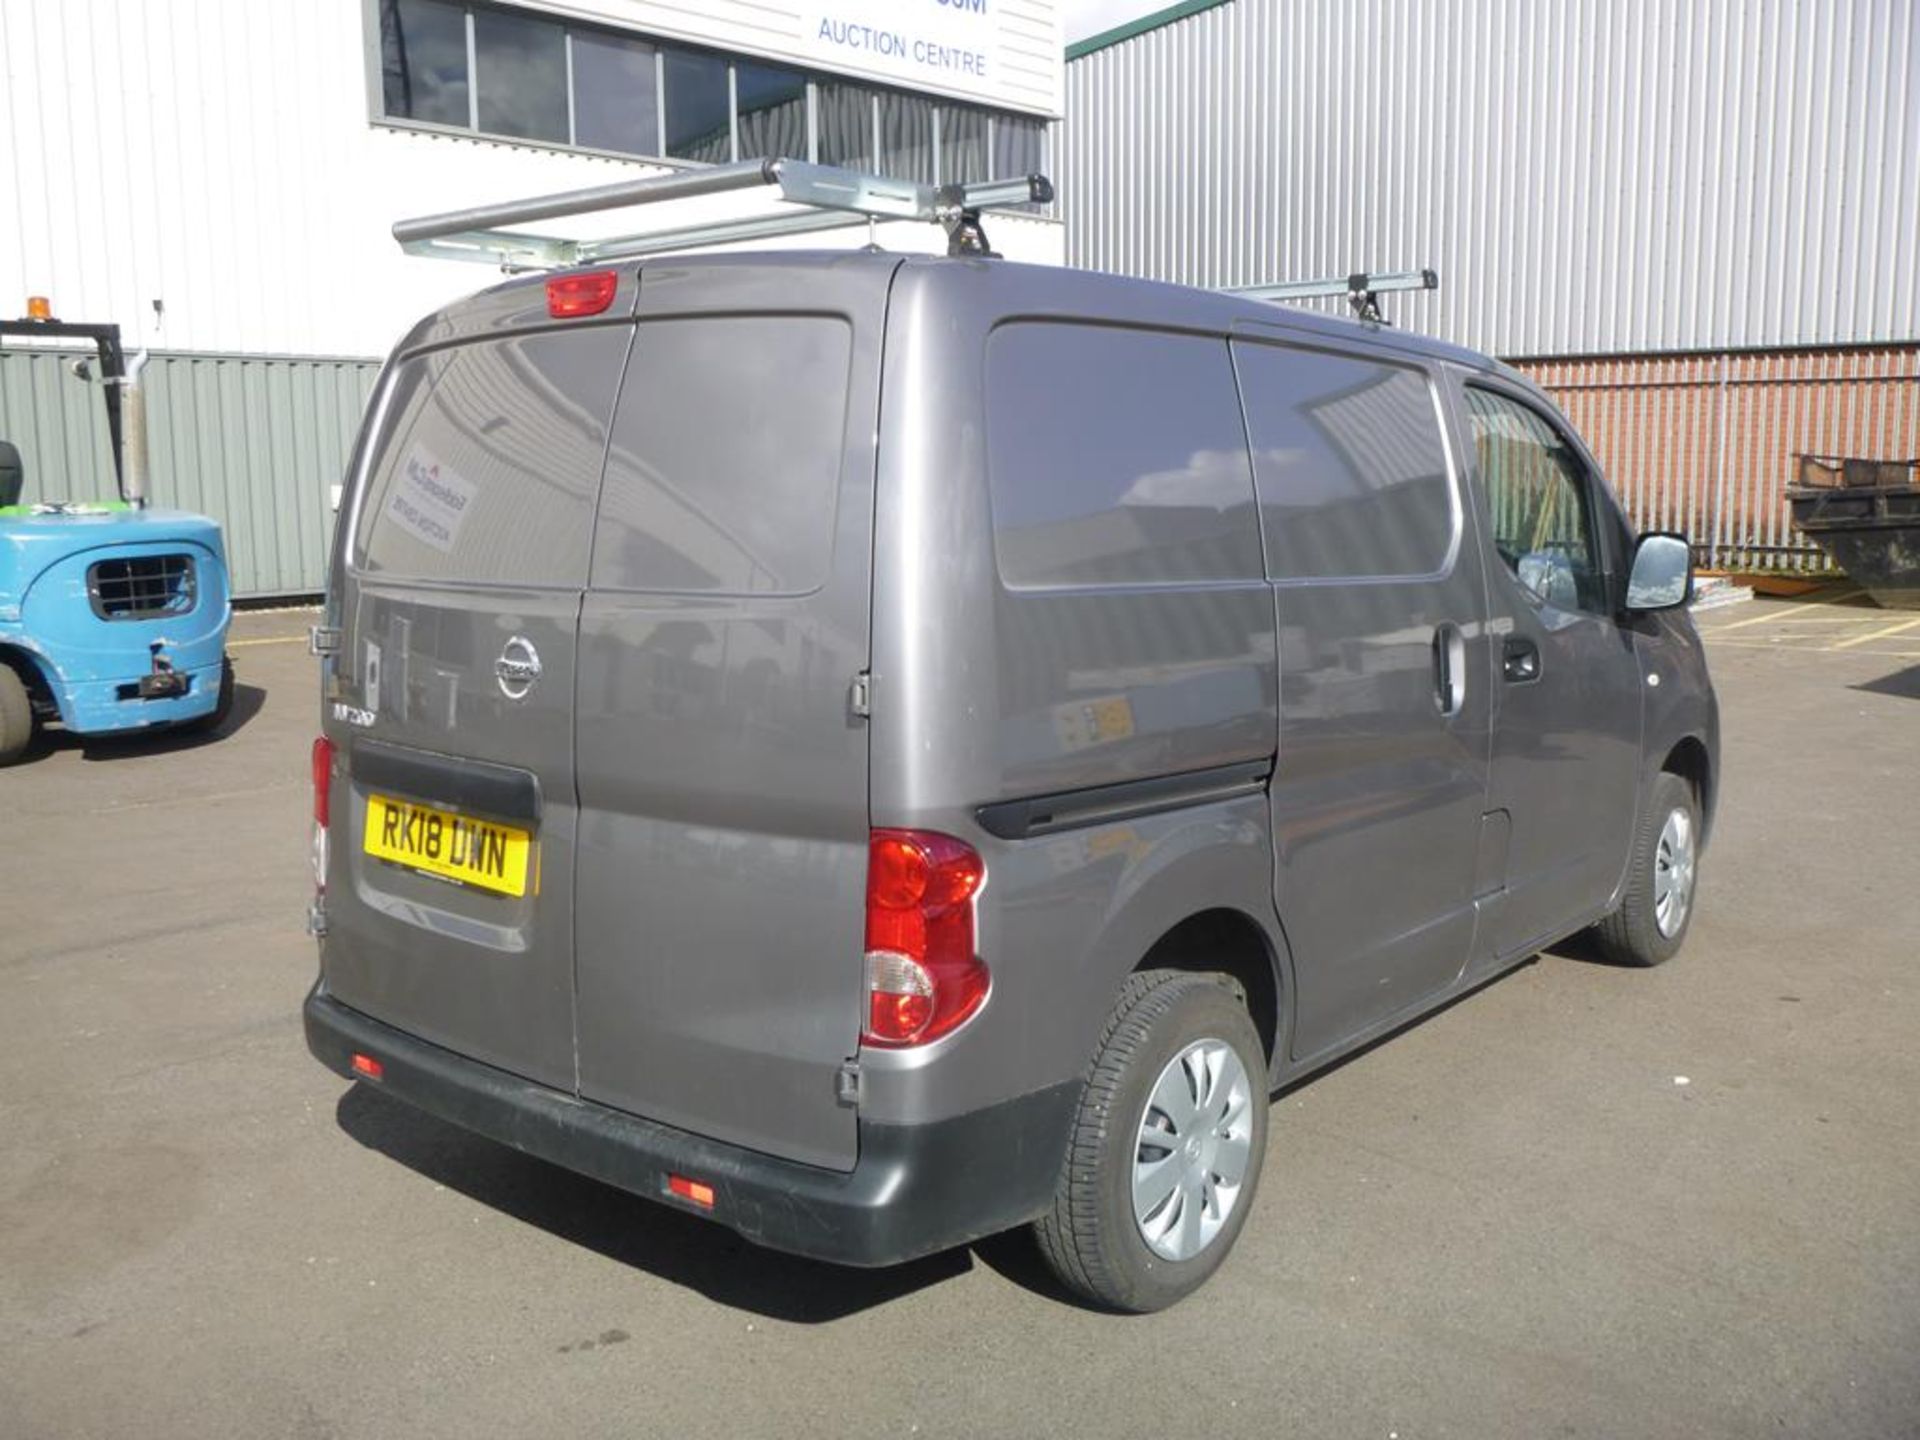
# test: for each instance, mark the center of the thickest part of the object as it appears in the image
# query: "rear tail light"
(923, 978)
(322, 808)
(367, 1067)
(569, 297)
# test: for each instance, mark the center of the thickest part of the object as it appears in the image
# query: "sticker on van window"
(429, 500)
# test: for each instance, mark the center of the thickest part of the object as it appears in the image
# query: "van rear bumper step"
(917, 1189)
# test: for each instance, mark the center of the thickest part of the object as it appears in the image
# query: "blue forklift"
(113, 616)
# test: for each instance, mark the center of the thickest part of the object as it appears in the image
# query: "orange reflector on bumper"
(693, 1190)
(367, 1067)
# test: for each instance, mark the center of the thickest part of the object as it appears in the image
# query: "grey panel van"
(878, 751)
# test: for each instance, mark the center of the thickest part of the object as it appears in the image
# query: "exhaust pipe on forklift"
(135, 484)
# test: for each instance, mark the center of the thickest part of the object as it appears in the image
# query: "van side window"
(1116, 457)
(1350, 463)
(1541, 513)
(492, 461)
(725, 467)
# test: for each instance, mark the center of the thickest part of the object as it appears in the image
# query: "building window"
(423, 61)
(494, 70)
(771, 109)
(520, 76)
(906, 137)
(616, 94)
(845, 125)
(1019, 146)
(699, 108)
(963, 145)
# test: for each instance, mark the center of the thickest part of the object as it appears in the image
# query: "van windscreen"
(492, 461)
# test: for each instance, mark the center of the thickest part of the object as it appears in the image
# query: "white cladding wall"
(217, 155)
(1587, 175)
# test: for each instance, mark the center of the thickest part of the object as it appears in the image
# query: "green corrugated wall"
(256, 442)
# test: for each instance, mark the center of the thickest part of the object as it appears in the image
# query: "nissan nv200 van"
(877, 751)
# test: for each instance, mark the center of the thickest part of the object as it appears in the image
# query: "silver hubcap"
(1673, 874)
(1196, 1139)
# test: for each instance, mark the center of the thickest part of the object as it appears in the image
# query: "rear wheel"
(1651, 923)
(16, 715)
(1166, 1152)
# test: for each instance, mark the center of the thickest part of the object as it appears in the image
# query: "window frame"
(378, 117)
(1603, 537)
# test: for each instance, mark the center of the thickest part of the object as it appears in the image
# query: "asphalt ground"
(1584, 1201)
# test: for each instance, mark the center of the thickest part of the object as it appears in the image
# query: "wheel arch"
(1225, 940)
(1690, 760)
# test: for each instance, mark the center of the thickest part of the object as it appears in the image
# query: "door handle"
(1449, 668)
(1520, 660)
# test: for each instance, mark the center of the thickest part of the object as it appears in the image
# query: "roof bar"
(833, 197)
(1362, 289)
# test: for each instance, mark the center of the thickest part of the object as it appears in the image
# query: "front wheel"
(1651, 923)
(1166, 1151)
(16, 715)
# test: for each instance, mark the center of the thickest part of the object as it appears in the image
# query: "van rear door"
(450, 879)
(722, 771)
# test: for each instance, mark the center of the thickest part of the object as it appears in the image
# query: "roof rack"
(1362, 289)
(833, 199)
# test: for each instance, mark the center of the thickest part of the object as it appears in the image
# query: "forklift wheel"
(16, 715)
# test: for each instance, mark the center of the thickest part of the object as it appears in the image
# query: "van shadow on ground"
(1905, 684)
(677, 1247)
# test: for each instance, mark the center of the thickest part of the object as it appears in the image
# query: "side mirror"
(13, 475)
(1662, 574)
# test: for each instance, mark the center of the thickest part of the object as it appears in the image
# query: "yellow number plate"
(457, 847)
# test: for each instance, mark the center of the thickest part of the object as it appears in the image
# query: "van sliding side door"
(1384, 706)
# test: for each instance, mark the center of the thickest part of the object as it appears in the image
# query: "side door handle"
(1449, 668)
(1520, 660)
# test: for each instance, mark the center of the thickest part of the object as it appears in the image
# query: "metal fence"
(257, 442)
(1707, 444)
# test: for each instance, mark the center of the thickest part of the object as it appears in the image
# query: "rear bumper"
(93, 707)
(917, 1189)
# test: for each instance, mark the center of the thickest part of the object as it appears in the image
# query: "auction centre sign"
(1001, 53)
(940, 44)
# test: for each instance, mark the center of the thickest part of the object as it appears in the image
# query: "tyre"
(1165, 1154)
(1651, 923)
(223, 707)
(16, 715)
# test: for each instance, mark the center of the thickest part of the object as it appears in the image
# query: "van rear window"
(492, 461)
(1350, 464)
(1117, 457)
(725, 467)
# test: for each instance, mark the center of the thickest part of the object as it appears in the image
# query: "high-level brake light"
(923, 978)
(569, 297)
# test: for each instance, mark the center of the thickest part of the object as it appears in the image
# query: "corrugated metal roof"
(1589, 177)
